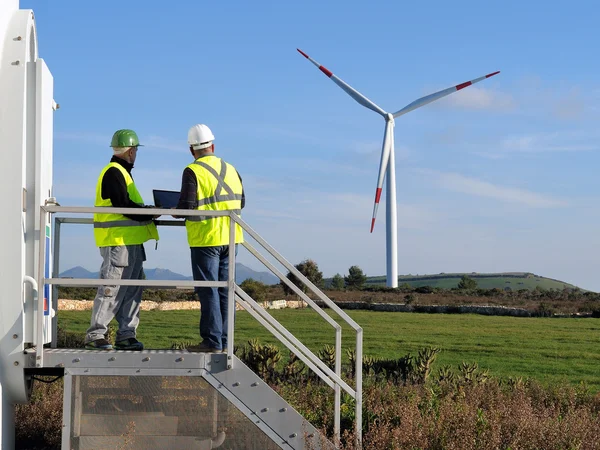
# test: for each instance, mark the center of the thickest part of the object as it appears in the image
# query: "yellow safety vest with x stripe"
(219, 189)
(117, 229)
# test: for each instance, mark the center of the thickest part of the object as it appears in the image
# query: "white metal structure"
(387, 163)
(26, 112)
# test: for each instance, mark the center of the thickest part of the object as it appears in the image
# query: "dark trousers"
(212, 264)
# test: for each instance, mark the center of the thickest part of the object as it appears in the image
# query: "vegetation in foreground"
(407, 403)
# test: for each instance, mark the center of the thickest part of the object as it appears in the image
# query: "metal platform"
(172, 399)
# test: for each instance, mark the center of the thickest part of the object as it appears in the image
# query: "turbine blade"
(383, 163)
(346, 87)
(437, 95)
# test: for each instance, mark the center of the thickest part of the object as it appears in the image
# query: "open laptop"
(165, 199)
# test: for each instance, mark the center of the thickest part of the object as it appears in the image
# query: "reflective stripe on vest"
(217, 191)
(117, 229)
(121, 223)
(202, 218)
(220, 185)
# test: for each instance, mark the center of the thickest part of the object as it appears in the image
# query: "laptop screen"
(165, 199)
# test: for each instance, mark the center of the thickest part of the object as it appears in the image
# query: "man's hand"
(152, 206)
(176, 217)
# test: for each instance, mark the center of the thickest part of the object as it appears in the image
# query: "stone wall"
(83, 305)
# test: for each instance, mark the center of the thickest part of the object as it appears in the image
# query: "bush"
(410, 298)
(255, 289)
(355, 279)
(467, 283)
(405, 287)
(545, 310)
(424, 290)
(310, 270)
(38, 423)
(337, 282)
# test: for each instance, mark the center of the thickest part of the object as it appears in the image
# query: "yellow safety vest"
(116, 229)
(219, 189)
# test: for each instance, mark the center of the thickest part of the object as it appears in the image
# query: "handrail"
(341, 314)
(299, 275)
(154, 283)
(301, 347)
(331, 377)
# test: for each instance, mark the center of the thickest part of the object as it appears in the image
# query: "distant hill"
(242, 273)
(78, 272)
(503, 280)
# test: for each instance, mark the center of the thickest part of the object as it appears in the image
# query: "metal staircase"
(159, 399)
(177, 399)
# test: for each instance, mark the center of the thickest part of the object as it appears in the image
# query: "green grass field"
(484, 281)
(549, 350)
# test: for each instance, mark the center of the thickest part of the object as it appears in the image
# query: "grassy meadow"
(550, 350)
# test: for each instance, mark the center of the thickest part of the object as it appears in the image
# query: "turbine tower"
(387, 162)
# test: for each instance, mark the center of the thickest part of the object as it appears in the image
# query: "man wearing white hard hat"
(210, 184)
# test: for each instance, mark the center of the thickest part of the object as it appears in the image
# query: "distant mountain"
(164, 274)
(242, 273)
(78, 272)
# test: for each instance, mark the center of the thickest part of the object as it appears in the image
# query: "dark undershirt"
(115, 189)
(188, 198)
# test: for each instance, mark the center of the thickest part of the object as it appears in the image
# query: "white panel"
(44, 112)
(7, 424)
(18, 48)
(7, 8)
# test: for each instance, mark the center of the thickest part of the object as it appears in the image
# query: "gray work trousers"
(122, 262)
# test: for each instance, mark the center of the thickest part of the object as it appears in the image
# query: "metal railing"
(333, 378)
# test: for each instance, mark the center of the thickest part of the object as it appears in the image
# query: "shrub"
(38, 423)
(410, 298)
(424, 290)
(310, 270)
(255, 289)
(467, 283)
(355, 279)
(545, 310)
(337, 282)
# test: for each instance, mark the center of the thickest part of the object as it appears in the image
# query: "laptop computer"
(165, 199)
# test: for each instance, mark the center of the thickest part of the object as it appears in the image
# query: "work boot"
(99, 344)
(129, 344)
(203, 347)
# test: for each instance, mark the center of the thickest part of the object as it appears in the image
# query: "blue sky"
(501, 176)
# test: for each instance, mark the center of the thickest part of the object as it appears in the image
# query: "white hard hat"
(200, 137)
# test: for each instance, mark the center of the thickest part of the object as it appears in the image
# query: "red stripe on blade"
(325, 71)
(302, 53)
(377, 195)
(492, 74)
(372, 224)
(463, 85)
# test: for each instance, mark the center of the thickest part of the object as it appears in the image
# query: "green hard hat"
(125, 138)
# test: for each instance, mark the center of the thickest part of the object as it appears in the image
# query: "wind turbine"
(387, 162)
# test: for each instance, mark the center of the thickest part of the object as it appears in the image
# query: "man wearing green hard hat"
(120, 238)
